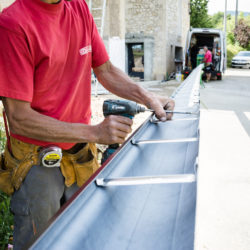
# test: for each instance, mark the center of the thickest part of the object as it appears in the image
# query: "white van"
(215, 40)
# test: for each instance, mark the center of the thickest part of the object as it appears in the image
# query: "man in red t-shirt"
(208, 62)
(47, 50)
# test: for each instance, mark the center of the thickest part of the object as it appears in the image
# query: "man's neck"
(51, 1)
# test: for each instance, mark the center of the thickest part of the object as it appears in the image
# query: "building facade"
(145, 38)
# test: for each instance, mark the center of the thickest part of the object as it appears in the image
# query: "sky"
(219, 5)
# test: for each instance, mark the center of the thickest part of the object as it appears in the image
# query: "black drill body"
(123, 108)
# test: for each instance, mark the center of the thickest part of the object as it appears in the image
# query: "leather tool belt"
(75, 166)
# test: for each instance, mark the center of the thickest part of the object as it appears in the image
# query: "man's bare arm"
(117, 82)
(25, 121)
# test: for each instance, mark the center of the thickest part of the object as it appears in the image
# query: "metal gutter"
(156, 207)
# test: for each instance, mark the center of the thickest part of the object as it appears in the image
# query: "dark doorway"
(136, 60)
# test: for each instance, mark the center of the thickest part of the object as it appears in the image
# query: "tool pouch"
(16, 165)
(5, 177)
(79, 167)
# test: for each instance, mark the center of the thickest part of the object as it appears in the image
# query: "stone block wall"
(147, 18)
(166, 21)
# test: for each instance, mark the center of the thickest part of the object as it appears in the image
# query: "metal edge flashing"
(91, 186)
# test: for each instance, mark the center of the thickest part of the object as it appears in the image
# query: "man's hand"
(159, 104)
(114, 129)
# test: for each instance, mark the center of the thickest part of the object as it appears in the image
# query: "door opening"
(136, 60)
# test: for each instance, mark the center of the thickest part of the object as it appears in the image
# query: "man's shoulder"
(11, 18)
(80, 6)
(78, 3)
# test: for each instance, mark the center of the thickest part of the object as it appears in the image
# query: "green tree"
(199, 16)
(217, 19)
(234, 37)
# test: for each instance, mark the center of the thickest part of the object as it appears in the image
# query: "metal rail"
(154, 120)
(182, 140)
(146, 180)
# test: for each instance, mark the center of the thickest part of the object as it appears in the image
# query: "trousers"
(40, 196)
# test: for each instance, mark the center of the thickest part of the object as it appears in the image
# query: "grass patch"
(6, 221)
(138, 53)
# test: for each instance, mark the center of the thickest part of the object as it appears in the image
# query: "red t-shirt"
(208, 57)
(46, 55)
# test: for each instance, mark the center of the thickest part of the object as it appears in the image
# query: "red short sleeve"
(99, 53)
(16, 67)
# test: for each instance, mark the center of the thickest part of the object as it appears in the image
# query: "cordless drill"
(123, 108)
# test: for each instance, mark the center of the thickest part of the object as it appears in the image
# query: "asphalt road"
(232, 94)
(223, 200)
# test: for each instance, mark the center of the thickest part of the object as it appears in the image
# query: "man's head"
(205, 49)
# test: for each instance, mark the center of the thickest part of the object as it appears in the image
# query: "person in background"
(208, 63)
(193, 54)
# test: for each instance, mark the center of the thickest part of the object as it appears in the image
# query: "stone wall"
(167, 21)
(148, 19)
(178, 20)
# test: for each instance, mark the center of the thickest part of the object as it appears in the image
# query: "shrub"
(6, 217)
(242, 33)
(6, 221)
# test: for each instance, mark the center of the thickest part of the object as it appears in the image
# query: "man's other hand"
(159, 104)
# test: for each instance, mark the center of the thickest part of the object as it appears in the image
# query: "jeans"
(40, 196)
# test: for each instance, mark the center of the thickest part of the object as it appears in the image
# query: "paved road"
(223, 203)
(232, 93)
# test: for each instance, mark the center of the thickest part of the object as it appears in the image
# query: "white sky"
(215, 6)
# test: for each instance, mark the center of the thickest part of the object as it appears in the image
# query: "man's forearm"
(27, 122)
(120, 84)
(117, 82)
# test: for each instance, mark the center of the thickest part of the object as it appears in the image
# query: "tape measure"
(50, 156)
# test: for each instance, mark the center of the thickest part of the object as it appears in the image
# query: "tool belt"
(75, 167)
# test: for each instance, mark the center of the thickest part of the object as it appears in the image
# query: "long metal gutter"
(144, 197)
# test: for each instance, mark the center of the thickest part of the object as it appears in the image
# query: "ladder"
(100, 18)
